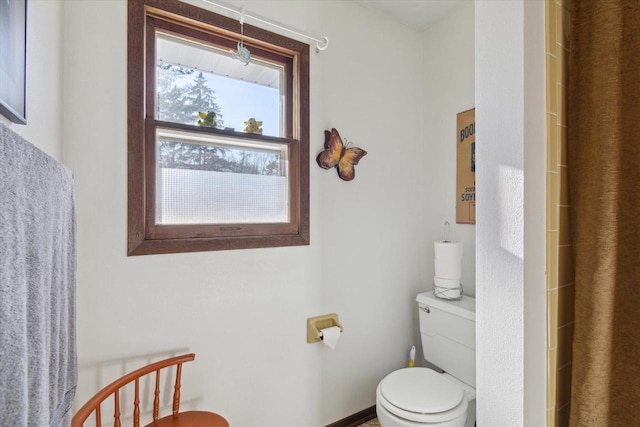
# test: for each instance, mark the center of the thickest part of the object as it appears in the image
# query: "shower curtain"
(604, 185)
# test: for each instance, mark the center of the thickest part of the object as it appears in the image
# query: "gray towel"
(37, 286)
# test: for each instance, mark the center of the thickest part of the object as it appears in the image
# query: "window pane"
(193, 77)
(218, 180)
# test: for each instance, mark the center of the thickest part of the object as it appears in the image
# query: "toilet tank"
(448, 331)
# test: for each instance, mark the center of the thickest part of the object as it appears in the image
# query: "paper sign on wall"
(466, 168)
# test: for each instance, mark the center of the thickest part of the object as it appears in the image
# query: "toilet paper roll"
(446, 283)
(330, 336)
(448, 259)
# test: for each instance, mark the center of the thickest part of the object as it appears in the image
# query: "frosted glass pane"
(208, 197)
(202, 179)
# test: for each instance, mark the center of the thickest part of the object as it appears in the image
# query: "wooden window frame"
(144, 235)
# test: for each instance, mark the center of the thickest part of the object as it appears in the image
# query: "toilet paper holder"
(316, 324)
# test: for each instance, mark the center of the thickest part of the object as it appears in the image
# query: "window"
(218, 149)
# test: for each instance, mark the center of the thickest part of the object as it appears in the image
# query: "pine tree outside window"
(218, 150)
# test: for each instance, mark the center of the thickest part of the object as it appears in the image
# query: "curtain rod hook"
(322, 45)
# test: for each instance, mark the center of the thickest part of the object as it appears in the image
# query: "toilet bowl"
(413, 397)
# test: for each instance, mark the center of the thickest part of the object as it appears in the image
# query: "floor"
(373, 423)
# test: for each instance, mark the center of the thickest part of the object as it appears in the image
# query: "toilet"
(413, 397)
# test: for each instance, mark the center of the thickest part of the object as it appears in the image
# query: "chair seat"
(191, 419)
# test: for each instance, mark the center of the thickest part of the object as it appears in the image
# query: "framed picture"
(13, 48)
(466, 167)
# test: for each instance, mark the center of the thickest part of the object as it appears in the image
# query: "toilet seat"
(421, 395)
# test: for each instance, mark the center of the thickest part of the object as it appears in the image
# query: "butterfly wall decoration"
(336, 154)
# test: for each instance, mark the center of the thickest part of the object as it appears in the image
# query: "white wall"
(510, 300)
(243, 312)
(371, 233)
(449, 75)
(44, 78)
(535, 224)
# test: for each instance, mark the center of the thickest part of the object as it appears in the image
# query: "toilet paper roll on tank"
(448, 259)
(448, 263)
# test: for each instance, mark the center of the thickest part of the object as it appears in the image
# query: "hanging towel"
(38, 368)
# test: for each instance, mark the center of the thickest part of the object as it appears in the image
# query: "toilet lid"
(421, 390)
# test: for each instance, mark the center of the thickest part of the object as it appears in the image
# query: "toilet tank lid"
(465, 307)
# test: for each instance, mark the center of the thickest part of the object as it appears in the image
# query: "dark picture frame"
(13, 60)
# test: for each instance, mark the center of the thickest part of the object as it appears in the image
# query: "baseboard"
(356, 419)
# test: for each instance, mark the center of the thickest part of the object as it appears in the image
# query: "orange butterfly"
(335, 154)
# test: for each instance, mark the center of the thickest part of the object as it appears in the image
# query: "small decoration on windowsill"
(336, 154)
(207, 119)
(253, 126)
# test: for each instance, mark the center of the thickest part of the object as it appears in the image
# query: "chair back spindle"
(98, 417)
(116, 411)
(136, 405)
(176, 391)
(156, 398)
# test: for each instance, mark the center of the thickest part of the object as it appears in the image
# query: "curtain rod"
(321, 42)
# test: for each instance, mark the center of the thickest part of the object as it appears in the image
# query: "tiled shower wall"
(560, 286)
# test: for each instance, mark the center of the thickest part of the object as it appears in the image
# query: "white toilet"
(413, 397)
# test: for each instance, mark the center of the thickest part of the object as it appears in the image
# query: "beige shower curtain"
(604, 184)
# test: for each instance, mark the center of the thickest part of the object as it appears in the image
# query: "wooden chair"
(176, 419)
